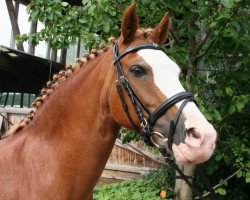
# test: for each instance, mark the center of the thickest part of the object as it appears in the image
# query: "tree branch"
(176, 38)
(208, 48)
(208, 32)
(218, 185)
(170, 43)
(205, 35)
(202, 40)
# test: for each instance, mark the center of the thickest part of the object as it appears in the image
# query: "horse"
(60, 149)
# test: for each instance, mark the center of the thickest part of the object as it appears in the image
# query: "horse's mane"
(63, 76)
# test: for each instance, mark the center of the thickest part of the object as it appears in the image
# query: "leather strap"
(174, 122)
(163, 108)
(201, 172)
(121, 78)
(124, 105)
(153, 117)
(200, 169)
(134, 49)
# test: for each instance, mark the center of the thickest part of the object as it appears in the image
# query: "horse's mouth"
(186, 156)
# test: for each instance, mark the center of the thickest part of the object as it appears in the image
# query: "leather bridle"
(146, 126)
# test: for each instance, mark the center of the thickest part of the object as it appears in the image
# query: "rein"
(146, 126)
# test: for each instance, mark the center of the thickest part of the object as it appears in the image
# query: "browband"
(134, 49)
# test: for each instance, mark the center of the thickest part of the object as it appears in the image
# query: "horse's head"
(148, 81)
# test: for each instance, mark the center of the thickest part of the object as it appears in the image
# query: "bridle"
(146, 126)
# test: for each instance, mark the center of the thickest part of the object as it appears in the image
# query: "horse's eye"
(137, 71)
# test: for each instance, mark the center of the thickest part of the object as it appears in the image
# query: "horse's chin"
(189, 156)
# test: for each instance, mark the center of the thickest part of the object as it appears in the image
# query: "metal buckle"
(164, 139)
(123, 78)
(144, 123)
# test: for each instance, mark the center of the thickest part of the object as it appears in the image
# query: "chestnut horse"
(60, 150)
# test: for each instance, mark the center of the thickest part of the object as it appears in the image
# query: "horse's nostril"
(192, 133)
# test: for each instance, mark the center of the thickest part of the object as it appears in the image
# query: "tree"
(210, 42)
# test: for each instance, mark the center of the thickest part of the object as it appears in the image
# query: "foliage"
(128, 135)
(142, 189)
(64, 23)
(225, 101)
(210, 41)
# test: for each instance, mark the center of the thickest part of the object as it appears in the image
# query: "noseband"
(146, 127)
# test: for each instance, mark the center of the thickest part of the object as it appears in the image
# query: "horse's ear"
(129, 24)
(160, 32)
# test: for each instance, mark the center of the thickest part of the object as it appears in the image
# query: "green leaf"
(106, 27)
(219, 92)
(112, 13)
(218, 157)
(217, 115)
(85, 2)
(247, 177)
(232, 109)
(28, 8)
(239, 174)
(213, 24)
(227, 159)
(33, 15)
(82, 20)
(228, 3)
(239, 105)
(229, 91)
(208, 116)
(221, 191)
(65, 4)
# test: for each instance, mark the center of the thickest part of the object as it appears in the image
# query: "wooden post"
(33, 29)
(78, 47)
(4, 125)
(1, 120)
(53, 55)
(6, 99)
(48, 52)
(12, 39)
(1, 124)
(13, 20)
(63, 56)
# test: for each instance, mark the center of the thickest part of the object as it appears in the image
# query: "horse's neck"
(74, 106)
(76, 121)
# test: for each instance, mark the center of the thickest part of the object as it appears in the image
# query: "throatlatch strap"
(124, 105)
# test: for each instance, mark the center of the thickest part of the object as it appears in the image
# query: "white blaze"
(166, 77)
(165, 71)
(200, 142)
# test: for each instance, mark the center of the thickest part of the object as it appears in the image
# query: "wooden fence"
(127, 161)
